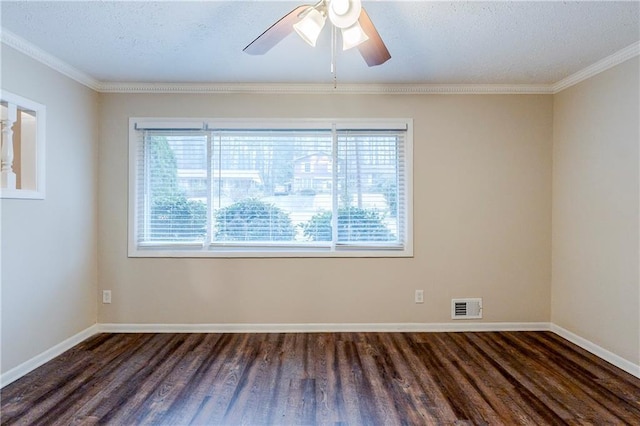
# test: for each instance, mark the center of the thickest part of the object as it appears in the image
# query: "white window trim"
(313, 250)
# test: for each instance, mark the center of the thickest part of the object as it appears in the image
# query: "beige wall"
(49, 247)
(596, 210)
(482, 208)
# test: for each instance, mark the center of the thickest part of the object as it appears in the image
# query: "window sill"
(190, 252)
(21, 194)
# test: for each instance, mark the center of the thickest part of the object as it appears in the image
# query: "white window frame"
(190, 250)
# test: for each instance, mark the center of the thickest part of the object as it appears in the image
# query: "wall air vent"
(466, 308)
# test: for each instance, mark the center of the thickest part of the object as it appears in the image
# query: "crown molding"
(323, 89)
(12, 40)
(29, 49)
(600, 66)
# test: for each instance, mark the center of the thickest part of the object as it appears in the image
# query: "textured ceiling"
(430, 42)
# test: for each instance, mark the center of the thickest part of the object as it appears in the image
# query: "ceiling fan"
(308, 20)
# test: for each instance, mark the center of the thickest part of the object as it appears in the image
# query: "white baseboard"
(599, 351)
(24, 368)
(35, 362)
(46, 356)
(318, 328)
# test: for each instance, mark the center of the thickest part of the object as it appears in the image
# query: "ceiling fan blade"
(275, 33)
(373, 50)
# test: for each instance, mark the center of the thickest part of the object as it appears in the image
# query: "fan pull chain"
(333, 56)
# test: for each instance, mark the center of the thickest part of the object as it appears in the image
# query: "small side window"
(22, 156)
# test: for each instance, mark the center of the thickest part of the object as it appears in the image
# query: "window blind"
(174, 187)
(371, 193)
(267, 184)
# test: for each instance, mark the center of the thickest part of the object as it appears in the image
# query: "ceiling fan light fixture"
(344, 13)
(310, 26)
(353, 36)
(308, 21)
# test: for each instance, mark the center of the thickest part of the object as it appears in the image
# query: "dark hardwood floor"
(494, 378)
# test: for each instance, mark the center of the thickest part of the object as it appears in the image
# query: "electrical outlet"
(419, 297)
(106, 296)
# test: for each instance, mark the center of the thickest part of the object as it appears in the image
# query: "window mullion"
(216, 181)
(209, 231)
(334, 187)
(146, 172)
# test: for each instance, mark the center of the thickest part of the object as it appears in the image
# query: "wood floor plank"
(567, 390)
(223, 385)
(144, 374)
(62, 390)
(373, 379)
(346, 385)
(503, 391)
(493, 378)
(541, 397)
(269, 377)
(468, 403)
(581, 373)
(173, 380)
(475, 374)
(328, 400)
(435, 401)
(400, 381)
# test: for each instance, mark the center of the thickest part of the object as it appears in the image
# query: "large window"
(269, 188)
